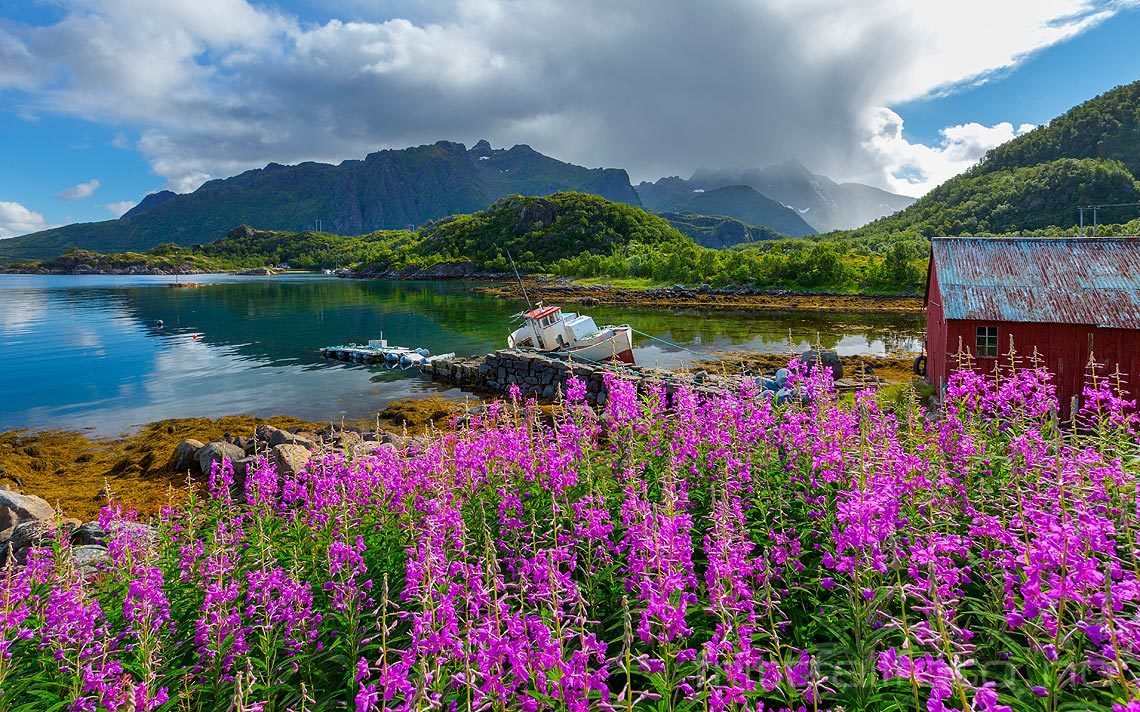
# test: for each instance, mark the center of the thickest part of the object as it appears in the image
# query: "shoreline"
(73, 470)
(567, 291)
(678, 297)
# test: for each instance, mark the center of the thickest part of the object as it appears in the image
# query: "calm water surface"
(87, 351)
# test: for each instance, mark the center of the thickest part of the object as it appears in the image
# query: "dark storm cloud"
(658, 87)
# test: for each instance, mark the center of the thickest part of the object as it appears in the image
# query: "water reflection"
(88, 352)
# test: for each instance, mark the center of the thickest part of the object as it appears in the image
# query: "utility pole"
(1082, 209)
(1095, 207)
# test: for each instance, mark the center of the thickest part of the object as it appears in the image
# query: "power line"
(1095, 210)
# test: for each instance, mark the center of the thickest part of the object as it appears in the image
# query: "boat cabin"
(549, 329)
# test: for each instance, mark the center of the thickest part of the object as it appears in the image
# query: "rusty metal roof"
(541, 311)
(1045, 280)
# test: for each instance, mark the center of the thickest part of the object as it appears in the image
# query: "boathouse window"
(987, 342)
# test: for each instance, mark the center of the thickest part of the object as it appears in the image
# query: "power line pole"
(1082, 210)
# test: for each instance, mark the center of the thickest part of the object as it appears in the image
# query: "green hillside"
(538, 232)
(569, 234)
(1035, 183)
(1106, 127)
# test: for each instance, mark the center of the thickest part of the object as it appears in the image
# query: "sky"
(105, 101)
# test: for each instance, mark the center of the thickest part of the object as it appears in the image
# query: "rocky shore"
(76, 473)
(27, 521)
(43, 501)
(679, 296)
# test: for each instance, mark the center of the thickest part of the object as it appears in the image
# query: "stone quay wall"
(542, 377)
(534, 374)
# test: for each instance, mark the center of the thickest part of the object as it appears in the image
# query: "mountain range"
(787, 197)
(398, 189)
(676, 195)
(820, 201)
(392, 189)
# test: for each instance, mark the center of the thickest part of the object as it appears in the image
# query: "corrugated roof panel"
(1046, 280)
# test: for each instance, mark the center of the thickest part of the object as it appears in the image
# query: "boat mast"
(521, 285)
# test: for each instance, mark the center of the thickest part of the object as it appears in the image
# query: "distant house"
(1065, 297)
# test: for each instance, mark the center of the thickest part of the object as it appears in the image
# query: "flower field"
(676, 552)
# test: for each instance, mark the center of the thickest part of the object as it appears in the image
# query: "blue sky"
(187, 90)
(1045, 85)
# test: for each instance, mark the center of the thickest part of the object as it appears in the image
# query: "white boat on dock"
(549, 330)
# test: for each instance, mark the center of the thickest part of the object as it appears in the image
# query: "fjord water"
(87, 352)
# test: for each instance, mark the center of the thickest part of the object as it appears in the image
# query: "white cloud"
(213, 87)
(79, 192)
(117, 209)
(18, 66)
(915, 168)
(16, 220)
(121, 140)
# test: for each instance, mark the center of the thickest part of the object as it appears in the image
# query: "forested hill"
(387, 190)
(1088, 155)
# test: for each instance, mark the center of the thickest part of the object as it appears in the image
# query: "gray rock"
(89, 534)
(290, 458)
(244, 466)
(346, 439)
(16, 508)
(216, 452)
(276, 436)
(185, 455)
(88, 557)
(31, 533)
(135, 531)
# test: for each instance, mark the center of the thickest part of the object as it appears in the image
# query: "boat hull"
(614, 344)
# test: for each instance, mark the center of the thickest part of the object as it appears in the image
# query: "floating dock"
(378, 352)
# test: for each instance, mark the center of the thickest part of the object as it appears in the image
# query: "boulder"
(88, 557)
(244, 466)
(216, 452)
(16, 508)
(290, 458)
(185, 455)
(135, 531)
(276, 436)
(346, 439)
(826, 358)
(31, 533)
(89, 534)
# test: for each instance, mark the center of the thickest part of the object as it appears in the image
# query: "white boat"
(568, 334)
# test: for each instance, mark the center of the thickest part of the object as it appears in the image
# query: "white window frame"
(986, 341)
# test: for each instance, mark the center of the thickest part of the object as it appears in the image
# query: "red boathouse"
(1066, 297)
